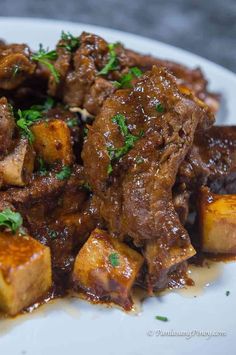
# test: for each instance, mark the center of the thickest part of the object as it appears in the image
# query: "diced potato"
(17, 167)
(107, 268)
(25, 272)
(217, 218)
(52, 141)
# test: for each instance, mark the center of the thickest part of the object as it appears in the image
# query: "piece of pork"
(136, 200)
(15, 65)
(81, 84)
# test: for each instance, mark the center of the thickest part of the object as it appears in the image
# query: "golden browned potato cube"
(217, 218)
(25, 272)
(17, 167)
(52, 141)
(107, 268)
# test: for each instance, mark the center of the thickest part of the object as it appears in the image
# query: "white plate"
(76, 327)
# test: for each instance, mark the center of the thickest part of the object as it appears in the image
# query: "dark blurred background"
(205, 27)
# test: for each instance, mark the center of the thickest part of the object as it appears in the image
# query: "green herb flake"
(129, 141)
(113, 62)
(126, 80)
(46, 106)
(114, 259)
(159, 108)
(139, 160)
(73, 122)
(136, 71)
(161, 318)
(42, 167)
(71, 43)
(87, 186)
(227, 293)
(64, 174)
(45, 57)
(15, 70)
(10, 219)
(109, 169)
(25, 118)
(85, 131)
(52, 234)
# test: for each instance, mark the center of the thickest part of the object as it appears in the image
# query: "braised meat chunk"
(136, 198)
(93, 69)
(15, 65)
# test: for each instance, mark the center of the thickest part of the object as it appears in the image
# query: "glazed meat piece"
(211, 161)
(15, 65)
(7, 125)
(43, 189)
(136, 198)
(81, 83)
(193, 79)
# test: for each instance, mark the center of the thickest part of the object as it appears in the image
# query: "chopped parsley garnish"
(15, 70)
(46, 106)
(139, 160)
(52, 234)
(10, 219)
(73, 122)
(160, 108)
(114, 259)
(64, 174)
(227, 293)
(126, 79)
(45, 57)
(25, 118)
(85, 131)
(129, 141)
(113, 62)
(71, 43)
(87, 186)
(42, 167)
(163, 319)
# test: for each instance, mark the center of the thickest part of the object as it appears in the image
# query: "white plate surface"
(198, 325)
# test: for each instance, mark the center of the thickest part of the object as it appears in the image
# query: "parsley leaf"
(163, 319)
(159, 108)
(113, 62)
(73, 122)
(114, 259)
(46, 106)
(139, 160)
(71, 43)
(25, 119)
(44, 56)
(87, 186)
(64, 174)
(52, 234)
(42, 167)
(126, 79)
(15, 70)
(130, 139)
(10, 219)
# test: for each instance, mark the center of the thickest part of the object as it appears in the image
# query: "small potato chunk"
(217, 218)
(25, 272)
(53, 141)
(16, 168)
(107, 268)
